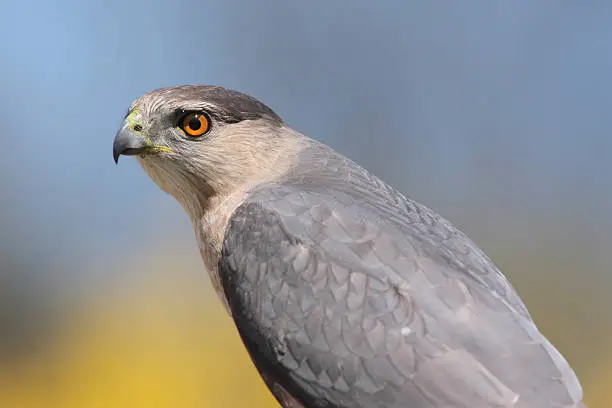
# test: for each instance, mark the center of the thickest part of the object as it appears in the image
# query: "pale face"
(198, 141)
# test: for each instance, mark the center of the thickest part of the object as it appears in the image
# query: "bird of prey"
(345, 293)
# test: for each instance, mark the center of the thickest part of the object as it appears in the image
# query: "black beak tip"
(117, 148)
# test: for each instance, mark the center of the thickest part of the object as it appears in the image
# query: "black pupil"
(194, 123)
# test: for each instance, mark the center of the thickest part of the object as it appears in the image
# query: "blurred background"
(495, 114)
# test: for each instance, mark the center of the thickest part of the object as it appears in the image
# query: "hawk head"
(199, 141)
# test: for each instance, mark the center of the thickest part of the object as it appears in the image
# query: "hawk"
(345, 293)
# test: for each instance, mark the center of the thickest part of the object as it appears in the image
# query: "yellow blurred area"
(598, 386)
(161, 343)
(161, 340)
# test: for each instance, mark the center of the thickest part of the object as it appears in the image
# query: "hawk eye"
(195, 124)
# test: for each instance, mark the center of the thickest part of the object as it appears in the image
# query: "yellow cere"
(135, 118)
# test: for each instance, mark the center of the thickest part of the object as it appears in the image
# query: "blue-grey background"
(495, 114)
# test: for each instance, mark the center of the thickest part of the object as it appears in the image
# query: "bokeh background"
(495, 114)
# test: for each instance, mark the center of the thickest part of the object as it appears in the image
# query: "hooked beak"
(128, 143)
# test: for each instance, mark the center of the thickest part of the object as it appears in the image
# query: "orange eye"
(195, 124)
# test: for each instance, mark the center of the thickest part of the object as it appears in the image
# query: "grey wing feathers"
(346, 307)
(435, 234)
